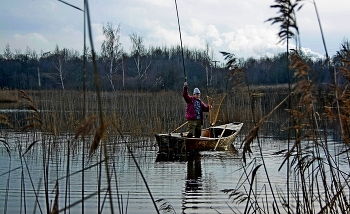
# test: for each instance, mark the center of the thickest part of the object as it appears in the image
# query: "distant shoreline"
(9, 96)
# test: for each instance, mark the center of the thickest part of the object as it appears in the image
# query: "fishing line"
(182, 51)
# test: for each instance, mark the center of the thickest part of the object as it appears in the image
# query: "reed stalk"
(315, 183)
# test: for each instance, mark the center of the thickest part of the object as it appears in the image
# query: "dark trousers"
(194, 128)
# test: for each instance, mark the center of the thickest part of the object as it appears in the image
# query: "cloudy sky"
(235, 26)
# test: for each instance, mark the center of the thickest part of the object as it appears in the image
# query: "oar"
(222, 133)
(179, 127)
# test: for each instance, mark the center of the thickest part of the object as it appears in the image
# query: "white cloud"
(31, 40)
(164, 36)
(158, 2)
(192, 41)
(98, 36)
(253, 41)
(48, 6)
(195, 27)
(312, 54)
(214, 34)
(227, 25)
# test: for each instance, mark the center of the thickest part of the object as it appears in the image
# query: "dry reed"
(141, 114)
(9, 96)
(316, 171)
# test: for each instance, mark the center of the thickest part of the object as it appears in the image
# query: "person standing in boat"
(194, 111)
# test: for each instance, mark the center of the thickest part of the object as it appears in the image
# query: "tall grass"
(142, 114)
(9, 96)
(315, 183)
(52, 121)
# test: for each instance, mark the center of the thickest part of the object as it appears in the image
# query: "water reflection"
(192, 196)
(190, 183)
(203, 179)
(194, 173)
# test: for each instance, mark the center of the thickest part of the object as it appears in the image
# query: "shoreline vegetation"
(141, 114)
(9, 96)
(307, 111)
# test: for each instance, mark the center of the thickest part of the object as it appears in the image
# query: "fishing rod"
(182, 50)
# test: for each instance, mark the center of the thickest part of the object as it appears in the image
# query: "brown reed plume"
(85, 127)
(303, 112)
(343, 56)
(34, 120)
(236, 73)
(5, 121)
(303, 85)
(305, 91)
(98, 137)
(288, 30)
(306, 128)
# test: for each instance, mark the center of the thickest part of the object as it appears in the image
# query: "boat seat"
(216, 132)
(206, 133)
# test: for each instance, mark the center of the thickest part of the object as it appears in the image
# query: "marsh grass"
(53, 122)
(141, 114)
(9, 96)
(66, 120)
(314, 181)
(132, 116)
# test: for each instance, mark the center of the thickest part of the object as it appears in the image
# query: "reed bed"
(52, 121)
(314, 183)
(142, 113)
(9, 96)
(303, 111)
(53, 118)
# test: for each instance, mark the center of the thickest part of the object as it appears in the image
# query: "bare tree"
(7, 52)
(139, 53)
(59, 62)
(111, 51)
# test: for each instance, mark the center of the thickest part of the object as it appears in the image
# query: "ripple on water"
(192, 185)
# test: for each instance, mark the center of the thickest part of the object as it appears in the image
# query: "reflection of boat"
(217, 138)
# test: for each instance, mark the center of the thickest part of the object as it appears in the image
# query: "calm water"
(191, 185)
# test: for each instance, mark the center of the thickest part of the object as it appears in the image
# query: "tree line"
(147, 69)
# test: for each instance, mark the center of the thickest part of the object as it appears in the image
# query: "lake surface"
(190, 185)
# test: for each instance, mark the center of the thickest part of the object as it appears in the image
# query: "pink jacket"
(190, 111)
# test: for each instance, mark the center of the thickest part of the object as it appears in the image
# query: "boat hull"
(179, 143)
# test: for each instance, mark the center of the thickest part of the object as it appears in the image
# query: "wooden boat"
(217, 138)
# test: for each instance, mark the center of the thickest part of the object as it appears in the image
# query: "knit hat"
(196, 91)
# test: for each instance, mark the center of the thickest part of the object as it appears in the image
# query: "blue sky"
(235, 26)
